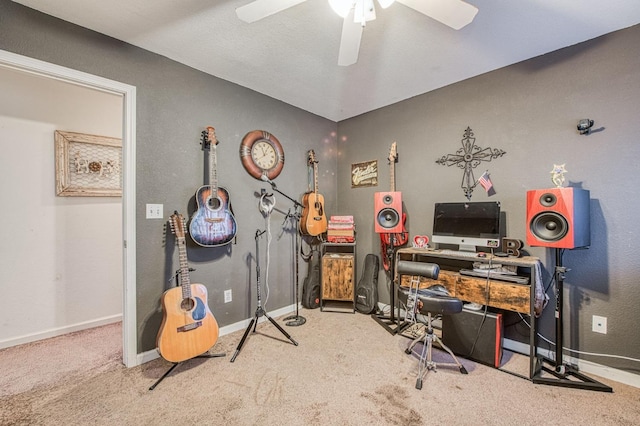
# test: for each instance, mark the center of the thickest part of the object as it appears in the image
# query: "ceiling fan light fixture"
(341, 7)
(364, 11)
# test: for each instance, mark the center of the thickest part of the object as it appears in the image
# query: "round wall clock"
(261, 154)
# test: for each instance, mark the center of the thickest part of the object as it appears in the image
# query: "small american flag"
(486, 183)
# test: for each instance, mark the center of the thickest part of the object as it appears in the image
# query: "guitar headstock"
(209, 138)
(178, 224)
(312, 158)
(393, 154)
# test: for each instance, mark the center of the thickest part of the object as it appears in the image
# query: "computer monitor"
(467, 225)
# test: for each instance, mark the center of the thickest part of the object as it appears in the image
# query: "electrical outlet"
(154, 211)
(599, 324)
(227, 296)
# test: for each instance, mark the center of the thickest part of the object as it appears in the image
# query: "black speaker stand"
(390, 322)
(260, 312)
(563, 374)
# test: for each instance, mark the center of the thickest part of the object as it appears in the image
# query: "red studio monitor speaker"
(558, 218)
(388, 212)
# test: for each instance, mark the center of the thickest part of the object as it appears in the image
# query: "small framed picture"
(364, 174)
(88, 165)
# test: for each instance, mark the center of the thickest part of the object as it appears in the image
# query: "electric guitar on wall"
(188, 327)
(213, 223)
(314, 219)
(399, 239)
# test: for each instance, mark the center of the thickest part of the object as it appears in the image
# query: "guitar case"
(311, 284)
(367, 288)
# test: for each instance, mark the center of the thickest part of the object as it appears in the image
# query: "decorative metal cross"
(467, 158)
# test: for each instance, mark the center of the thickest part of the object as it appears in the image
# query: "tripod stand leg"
(163, 376)
(244, 337)
(281, 329)
(175, 364)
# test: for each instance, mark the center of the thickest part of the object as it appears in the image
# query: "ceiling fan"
(454, 13)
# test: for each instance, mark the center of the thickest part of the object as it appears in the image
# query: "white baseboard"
(54, 332)
(584, 366)
(227, 329)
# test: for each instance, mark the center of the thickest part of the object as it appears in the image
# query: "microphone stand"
(293, 320)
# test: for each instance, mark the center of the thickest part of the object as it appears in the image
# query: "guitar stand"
(175, 364)
(259, 310)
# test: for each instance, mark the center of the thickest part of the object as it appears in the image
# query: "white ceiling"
(292, 56)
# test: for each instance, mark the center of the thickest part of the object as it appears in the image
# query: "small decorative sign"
(364, 174)
(420, 241)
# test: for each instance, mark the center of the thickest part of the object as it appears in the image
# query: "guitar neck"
(392, 176)
(213, 169)
(315, 178)
(185, 281)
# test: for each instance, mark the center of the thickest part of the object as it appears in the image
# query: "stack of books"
(341, 229)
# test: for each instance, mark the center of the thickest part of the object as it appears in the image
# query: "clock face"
(264, 155)
(261, 154)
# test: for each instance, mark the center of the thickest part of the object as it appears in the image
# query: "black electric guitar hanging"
(314, 219)
(213, 223)
(188, 327)
(400, 238)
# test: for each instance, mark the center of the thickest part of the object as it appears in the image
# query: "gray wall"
(174, 104)
(530, 110)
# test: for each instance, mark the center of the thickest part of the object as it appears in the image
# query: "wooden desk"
(501, 294)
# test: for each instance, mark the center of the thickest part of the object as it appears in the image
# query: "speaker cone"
(388, 218)
(387, 199)
(549, 226)
(548, 200)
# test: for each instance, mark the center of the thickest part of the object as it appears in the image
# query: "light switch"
(154, 211)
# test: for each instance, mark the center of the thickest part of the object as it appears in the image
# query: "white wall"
(61, 257)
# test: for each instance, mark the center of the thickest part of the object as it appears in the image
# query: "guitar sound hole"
(214, 203)
(187, 304)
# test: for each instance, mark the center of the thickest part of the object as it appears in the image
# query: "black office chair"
(430, 302)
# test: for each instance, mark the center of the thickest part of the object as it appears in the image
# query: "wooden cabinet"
(337, 277)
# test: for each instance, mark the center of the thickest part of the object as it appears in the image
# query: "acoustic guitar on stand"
(213, 223)
(188, 327)
(401, 238)
(314, 219)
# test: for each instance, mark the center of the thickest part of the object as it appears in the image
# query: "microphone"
(266, 179)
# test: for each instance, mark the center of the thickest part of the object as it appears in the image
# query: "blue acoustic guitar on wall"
(213, 223)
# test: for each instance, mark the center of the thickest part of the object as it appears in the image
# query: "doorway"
(128, 96)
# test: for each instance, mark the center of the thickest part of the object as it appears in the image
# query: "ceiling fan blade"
(454, 13)
(350, 41)
(259, 9)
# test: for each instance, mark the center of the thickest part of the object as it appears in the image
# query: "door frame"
(34, 66)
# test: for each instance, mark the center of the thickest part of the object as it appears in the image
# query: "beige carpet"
(347, 370)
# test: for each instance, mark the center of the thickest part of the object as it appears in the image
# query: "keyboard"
(459, 253)
(496, 276)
